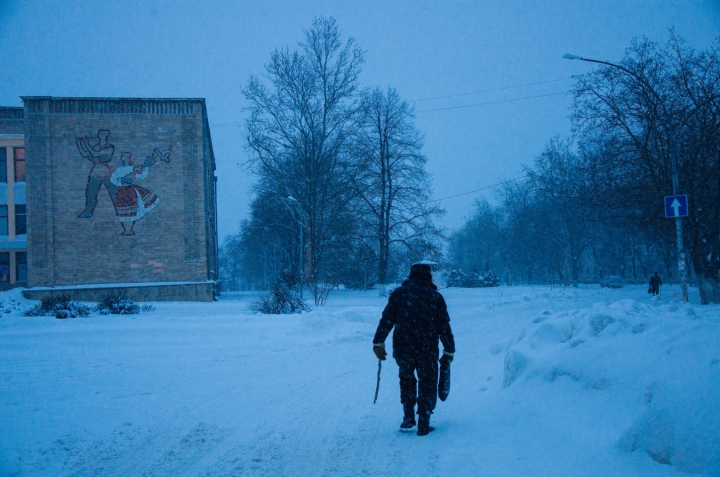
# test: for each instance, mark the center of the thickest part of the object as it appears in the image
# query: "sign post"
(676, 207)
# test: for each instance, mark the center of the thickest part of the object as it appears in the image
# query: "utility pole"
(682, 259)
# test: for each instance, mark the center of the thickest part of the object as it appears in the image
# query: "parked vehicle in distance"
(611, 281)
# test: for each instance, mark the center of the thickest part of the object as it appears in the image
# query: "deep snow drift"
(545, 382)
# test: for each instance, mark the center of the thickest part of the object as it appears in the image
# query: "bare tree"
(659, 106)
(298, 132)
(478, 244)
(558, 179)
(389, 179)
(230, 263)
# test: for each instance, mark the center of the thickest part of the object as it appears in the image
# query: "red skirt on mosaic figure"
(132, 202)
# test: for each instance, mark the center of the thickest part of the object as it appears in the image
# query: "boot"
(408, 418)
(424, 427)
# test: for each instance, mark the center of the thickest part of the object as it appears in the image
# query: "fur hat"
(420, 271)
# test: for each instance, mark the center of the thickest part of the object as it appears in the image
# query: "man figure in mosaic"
(101, 155)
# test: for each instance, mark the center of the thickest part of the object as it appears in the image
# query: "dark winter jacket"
(419, 315)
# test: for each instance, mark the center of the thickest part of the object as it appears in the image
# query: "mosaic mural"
(130, 200)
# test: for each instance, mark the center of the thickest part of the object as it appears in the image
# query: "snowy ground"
(545, 382)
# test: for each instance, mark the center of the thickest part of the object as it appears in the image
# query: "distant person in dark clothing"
(655, 283)
(419, 315)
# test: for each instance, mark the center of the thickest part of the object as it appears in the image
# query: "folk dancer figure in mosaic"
(101, 155)
(132, 201)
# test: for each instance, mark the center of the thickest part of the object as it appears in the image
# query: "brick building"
(120, 197)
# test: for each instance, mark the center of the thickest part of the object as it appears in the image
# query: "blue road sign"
(676, 206)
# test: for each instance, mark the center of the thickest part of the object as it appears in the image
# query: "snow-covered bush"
(456, 279)
(490, 280)
(284, 297)
(118, 304)
(460, 279)
(60, 306)
(10, 306)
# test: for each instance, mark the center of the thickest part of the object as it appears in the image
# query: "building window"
(5, 267)
(3, 220)
(20, 219)
(21, 267)
(19, 164)
(3, 164)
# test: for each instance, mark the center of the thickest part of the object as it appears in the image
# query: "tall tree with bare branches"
(392, 188)
(301, 112)
(658, 107)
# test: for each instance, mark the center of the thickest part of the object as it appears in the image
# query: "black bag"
(444, 384)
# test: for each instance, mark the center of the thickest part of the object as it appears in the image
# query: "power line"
(481, 189)
(490, 102)
(444, 109)
(493, 89)
(485, 147)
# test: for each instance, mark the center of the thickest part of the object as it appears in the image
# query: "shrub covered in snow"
(10, 306)
(490, 280)
(460, 279)
(118, 304)
(60, 306)
(284, 296)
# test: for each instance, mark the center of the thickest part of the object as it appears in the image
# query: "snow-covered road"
(213, 390)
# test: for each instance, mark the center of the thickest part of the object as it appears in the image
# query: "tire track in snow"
(160, 451)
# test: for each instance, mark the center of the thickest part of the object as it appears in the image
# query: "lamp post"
(302, 248)
(682, 261)
(301, 225)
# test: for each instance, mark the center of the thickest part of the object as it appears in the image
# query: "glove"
(446, 359)
(379, 350)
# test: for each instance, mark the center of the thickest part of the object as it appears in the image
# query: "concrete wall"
(155, 292)
(72, 244)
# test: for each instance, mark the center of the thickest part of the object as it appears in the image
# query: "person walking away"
(419, 315)
(655, 283)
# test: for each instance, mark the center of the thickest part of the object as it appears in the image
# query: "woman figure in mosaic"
(132, 201)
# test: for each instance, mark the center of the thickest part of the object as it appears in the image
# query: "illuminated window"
(21, 266)
(20, 219)
(3, 164)
(19, 164)
(5, 267)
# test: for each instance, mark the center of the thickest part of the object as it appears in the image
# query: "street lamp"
(300, 223)
(682, 263)
(302, 248)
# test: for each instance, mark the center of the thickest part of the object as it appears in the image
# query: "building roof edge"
(102, 98)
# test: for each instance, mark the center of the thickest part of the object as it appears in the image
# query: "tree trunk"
(707, 270)
(575, 273)
(668, 257)
(709, 288)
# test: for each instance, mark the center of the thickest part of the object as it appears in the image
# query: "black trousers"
(422, 390)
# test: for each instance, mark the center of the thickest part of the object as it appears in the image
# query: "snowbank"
(666, 355)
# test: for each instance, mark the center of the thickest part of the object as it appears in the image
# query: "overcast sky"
(470, 53)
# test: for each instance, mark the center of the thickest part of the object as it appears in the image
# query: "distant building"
(13, 211)
(121, 198)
